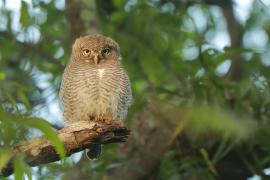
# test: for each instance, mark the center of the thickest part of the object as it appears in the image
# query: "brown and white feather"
(88, 89)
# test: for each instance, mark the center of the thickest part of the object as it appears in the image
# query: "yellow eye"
(85, 52)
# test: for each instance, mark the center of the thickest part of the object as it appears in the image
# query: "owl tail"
(93, 152)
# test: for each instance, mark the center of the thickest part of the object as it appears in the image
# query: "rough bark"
(76, 137)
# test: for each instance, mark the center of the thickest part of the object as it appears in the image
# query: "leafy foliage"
(174, 55)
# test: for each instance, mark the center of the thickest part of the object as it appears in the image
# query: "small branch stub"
(76, 137)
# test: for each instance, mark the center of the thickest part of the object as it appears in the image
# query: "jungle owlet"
(95, 84)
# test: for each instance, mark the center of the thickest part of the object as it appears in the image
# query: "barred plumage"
(94, 83)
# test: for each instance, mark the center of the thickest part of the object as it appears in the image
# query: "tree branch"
(236, 71)
(76, 137)
(33, 48)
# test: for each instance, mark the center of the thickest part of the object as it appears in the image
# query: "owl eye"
(85, 52)
(106, 51)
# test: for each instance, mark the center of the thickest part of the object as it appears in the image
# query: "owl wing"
(125, 98)
(62, 94)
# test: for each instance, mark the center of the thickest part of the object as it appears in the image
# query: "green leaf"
(23, 98)
(5, 155)
(12, 100)
(217, 120)
(119, 3)
(20, 169)
(209, 163)
(24, 18)
(2, 76)
(152, 67)
(49, 132)
(169, 168)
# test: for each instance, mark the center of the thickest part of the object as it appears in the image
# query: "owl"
(95, 85)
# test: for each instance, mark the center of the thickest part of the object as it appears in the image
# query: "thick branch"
(76, 137)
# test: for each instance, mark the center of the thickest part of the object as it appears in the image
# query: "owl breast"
(100, 73)
(92, 92)
(100, 94)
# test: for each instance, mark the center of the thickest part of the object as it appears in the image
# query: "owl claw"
(92, 118)
(107, 120)
(120, 123)
(99, 130)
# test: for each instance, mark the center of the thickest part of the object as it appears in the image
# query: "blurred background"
(200, 79)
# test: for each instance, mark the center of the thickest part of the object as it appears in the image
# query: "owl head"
(95, 49)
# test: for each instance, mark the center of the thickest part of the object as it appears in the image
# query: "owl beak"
(95, 58)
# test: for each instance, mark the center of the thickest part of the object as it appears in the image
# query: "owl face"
(95, 50)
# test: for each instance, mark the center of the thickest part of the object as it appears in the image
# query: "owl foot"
(120, 123)
(99, 130)
(109, 120)
(91, 118)
(96, 118)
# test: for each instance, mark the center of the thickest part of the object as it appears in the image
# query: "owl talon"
(91, 118)
(120, 123)
(108, 121)
(99, 130)
(97, 118)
